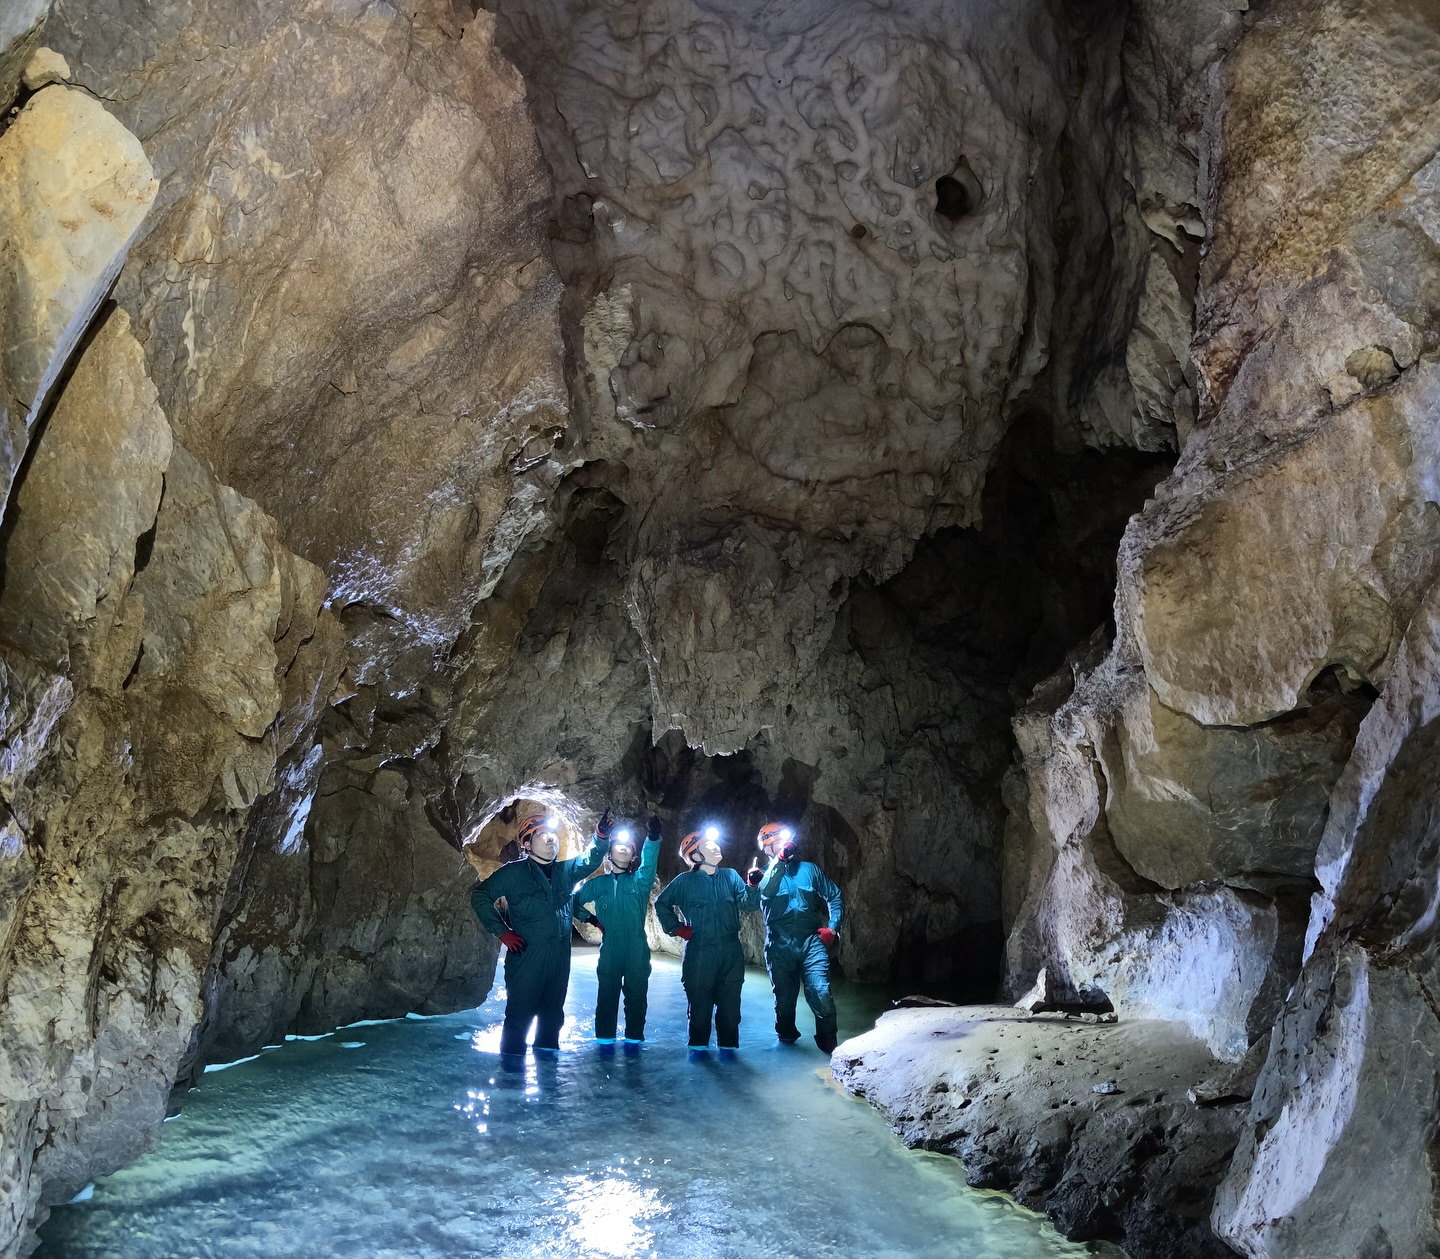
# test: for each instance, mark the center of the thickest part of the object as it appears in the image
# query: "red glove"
(513, 942)
(789, 850)
(753, 877)
(685, 932)
(826, 935)
(604, 826)
(598, 925)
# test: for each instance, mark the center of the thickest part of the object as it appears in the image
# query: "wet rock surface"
(1088, 1121)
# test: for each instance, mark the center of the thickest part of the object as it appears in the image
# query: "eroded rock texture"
(815, 268)
(170, 663)
(159, 642)
(752, 410)
(1207, 786)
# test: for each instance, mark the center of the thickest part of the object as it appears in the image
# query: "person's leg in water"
(729, 978)
(637, 992)
(785, 977)
(698, 976)
(816, 964)
(609, 974)
(551, 1011)
(524, 982)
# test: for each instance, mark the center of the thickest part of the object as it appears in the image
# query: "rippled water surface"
(406, 1139)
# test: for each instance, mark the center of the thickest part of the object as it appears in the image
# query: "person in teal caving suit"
(535, 891)
(619, 899)
(702, 906)
(803, 910)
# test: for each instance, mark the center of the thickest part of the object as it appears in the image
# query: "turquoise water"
(407, 1140)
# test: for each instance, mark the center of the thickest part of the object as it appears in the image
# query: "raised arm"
(774, 872)
(584, 866)
(746, 896)
(649, 855)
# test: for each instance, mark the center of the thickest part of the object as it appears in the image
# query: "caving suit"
(714, 965)
(621, 900)
(798, 899)
(538, 908)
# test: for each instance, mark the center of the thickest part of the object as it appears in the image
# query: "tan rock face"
(1279, 581)
(804, 313)
(140, 622)
(74, 189)
(44, 67)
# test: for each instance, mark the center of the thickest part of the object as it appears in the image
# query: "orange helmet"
(690, 845)
(532, 826)
(774, 836)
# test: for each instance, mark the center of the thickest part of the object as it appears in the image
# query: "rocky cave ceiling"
(726, 408)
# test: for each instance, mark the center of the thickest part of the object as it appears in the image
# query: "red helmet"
(774, 836)
(532, 826)
(690, 846)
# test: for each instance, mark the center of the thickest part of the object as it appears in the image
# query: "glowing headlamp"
(622, 837)
(712, 832)
(552, 823)
(787, 833)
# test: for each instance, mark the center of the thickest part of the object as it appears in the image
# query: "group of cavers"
(529, 904)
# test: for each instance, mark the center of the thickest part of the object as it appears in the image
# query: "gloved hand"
(685, 932)
(604, 826)
(515, 943)
(652, 828)
(597, 924)
(754, 875)
(826, 935)
(789, 849)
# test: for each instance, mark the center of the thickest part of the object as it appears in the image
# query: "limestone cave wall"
(727, 410)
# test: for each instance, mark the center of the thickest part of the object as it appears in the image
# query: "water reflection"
(426, 1144)
(607, 1216)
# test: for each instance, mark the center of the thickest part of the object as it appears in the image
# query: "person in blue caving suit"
(702, 906)
(535, 893)
(803, 909)
(619, 899)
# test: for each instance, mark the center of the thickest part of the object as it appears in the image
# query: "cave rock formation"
(1001, 438)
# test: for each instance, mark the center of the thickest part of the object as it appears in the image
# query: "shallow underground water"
(406, 1139)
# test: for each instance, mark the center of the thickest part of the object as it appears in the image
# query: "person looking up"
(535, 891)
(803, 909)
(702, 906)
(619, 897)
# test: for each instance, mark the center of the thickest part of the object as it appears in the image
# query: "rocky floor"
(1095, 1123)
